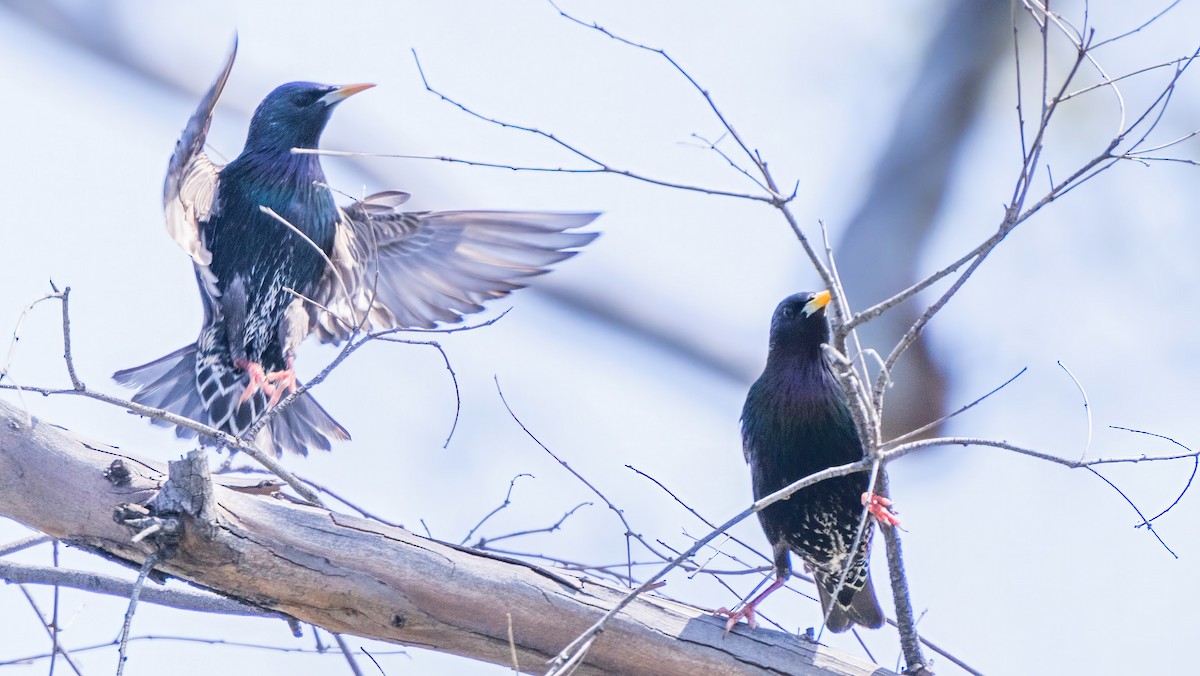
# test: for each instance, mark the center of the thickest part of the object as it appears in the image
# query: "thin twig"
(1090, 465)
(600, 166)
(1139, 29)
(577, 648)
(712, 105)
(629, 533)
(910, 644)
(373, 660)
(1145, 522)
(694, 513)
(928, 426)
(345, 501)
(1195, 467)
(742, 600)
(912, 446)
(350, 329)
(54, 625)
(150, 562)
(187, 639)
(12, 349)
(608, 568)
(712, 145)
(100, 583)
(484, 542)
(863, 530)
(453, 377)
(1016, 213)
(46, 625)
(1087, 408)
(349, 655)
(1134, 73)
(16, 333)
(24, 543)
(507, 501)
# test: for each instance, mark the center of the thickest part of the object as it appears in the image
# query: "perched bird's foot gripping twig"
(881, 508)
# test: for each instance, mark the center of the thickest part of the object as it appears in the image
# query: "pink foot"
(736, 616)
(747, 611)
(273, 384)
(279, 383)
(258, 379)
(880, 508)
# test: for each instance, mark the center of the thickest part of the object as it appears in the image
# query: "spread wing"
(190, 187)
(416, 269)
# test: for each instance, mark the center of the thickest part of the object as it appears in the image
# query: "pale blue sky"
(1020, 567)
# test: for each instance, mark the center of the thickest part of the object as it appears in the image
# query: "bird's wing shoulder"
(415, 269)
(190, 187)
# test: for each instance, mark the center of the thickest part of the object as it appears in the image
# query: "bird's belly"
(258, 279)
(819, 522)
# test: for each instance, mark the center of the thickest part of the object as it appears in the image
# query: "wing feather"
(418, 269)
(190, 188)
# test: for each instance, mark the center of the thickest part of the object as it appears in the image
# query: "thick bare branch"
(349, 575)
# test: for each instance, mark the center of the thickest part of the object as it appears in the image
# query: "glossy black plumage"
(796, 422)
(277, 260)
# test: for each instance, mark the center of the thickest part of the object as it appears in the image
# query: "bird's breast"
(274, 216)
(796, 423)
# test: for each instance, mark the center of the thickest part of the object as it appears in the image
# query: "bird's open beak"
(818, 301)
(344, 92)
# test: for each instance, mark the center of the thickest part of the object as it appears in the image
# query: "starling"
(277, 260)
(796, 421)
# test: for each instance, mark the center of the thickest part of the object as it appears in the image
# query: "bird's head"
(799, 322)
(294, 115)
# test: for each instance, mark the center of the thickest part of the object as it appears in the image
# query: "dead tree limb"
(354, 576)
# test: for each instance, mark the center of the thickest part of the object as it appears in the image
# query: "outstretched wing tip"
(189, 188)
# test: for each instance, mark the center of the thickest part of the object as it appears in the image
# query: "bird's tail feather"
(168, 383)
(210, 395)
(863, 607)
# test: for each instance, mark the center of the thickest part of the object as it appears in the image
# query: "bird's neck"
(279, 164)
(283, 181)
(291, 185)
(804, 359)
(799, 381)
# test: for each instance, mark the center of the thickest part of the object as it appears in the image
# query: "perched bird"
(796, 421)
(277, 260)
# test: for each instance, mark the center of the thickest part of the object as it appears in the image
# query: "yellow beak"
(344, 92)
(818, 302)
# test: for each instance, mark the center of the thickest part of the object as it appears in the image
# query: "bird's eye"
(306, 98)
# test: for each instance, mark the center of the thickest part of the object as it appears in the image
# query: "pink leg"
(880, 508)
(747, 611)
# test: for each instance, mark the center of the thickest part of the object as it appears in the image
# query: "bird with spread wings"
(277, 260)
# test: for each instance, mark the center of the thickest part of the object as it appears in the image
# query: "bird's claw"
(278, 383)
(273, 384)
(880, 508)
(258, 380)
(748, 610)
(735, 616)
